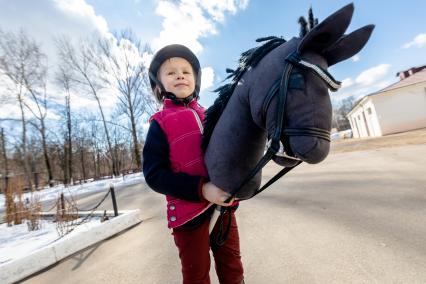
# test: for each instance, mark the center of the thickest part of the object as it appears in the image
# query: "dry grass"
(66, 214)
(18, 211)
(15, 209)
(33, 209)
(414, 137)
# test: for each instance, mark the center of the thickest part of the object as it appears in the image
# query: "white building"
(397, 108)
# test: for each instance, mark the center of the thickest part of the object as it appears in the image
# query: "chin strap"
(178, 101)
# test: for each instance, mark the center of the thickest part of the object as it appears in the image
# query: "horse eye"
(296, 81)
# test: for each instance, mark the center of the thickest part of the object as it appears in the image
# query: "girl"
(173, 165)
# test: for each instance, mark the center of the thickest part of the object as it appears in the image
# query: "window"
(369, 110)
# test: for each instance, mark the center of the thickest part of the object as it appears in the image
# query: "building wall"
(401, 109)
(364, 121)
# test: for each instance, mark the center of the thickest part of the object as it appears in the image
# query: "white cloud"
(217, 8)
(83, 13)
(356, 58)
(186, 21)
(418, 41)
(11, 111)
(373, 75)
(347, 83)
(43, 20)
(367, 82)
(147, 58)
(47, 19)
(207, 78)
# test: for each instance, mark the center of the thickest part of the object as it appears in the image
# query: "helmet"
(169, 51)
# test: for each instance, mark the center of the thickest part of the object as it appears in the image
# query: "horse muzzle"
(309, 149)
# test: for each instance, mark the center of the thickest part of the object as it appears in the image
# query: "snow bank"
(52, 193)
(24, 253)
(16, 241)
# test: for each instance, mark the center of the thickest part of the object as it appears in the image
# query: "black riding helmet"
(169, 51)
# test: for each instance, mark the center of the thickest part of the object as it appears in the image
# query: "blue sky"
(397, 23)
(220, 30)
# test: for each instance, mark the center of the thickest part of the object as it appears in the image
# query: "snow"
(17, 242)
(52, 193)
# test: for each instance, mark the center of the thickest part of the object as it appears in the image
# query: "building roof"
(418, 77)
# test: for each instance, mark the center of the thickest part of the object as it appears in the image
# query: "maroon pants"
(194, 246)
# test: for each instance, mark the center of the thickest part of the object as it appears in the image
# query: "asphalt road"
(358, 217)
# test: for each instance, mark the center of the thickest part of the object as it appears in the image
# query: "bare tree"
(39, 99)
(26, 66)
(82, 156)
(123, 56)
(340, 121)
(96, 148)
(17, 61)
(83, 66)
(63, 78)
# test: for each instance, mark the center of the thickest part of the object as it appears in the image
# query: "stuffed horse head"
(279, 87)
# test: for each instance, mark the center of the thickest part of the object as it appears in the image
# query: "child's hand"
(216, 195)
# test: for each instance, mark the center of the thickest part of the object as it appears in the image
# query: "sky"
(218, 31)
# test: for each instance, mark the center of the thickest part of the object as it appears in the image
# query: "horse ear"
(348, 45)
(328, 31)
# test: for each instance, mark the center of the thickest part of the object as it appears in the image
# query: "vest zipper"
(197, 118)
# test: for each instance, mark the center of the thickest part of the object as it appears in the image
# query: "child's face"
(177, 77)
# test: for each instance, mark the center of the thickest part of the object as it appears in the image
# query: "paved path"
(359, 217)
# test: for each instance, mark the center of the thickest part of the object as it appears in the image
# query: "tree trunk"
(136, 148)
(110, 149)
(65, 164)
(69, 141)
(95, 163)
(45, 154)
(6, 165)
(35, 174)
(98, 163)
(83, 167)
(24, 145)
(3, 143)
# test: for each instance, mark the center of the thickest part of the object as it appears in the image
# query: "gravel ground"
(414, 137)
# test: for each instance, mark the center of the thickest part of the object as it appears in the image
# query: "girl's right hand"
(216, 195)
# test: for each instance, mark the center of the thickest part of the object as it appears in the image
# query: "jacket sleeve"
(158, 173)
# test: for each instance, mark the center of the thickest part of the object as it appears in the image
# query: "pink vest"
(183, 127)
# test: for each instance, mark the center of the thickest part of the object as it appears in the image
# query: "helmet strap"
(179, 101)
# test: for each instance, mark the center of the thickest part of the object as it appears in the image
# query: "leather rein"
(274, 143)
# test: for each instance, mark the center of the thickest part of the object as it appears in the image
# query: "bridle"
(274, 145)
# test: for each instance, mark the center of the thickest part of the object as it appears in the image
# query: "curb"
(21, 268)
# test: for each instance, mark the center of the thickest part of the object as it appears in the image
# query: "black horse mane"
(248, 59)
(304, 28)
